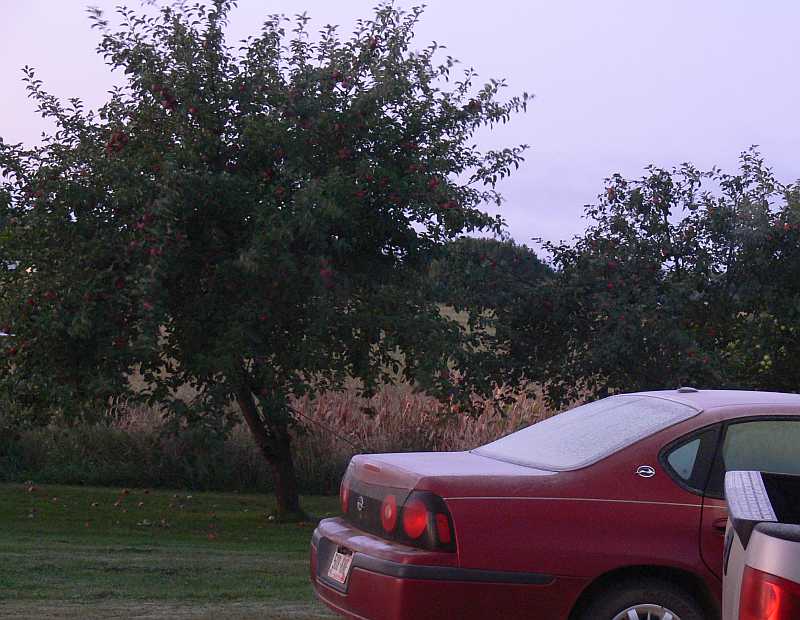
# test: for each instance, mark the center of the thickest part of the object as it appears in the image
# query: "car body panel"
(712, 533)
(376, 595)
(577, 537)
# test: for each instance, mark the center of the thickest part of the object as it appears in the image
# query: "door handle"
(719, 525)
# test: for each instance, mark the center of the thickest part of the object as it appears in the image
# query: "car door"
(770, 443)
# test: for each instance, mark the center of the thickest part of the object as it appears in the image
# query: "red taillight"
(389, 513)
(344, 495)
(768, 597)
(443, 529)
(415, 518)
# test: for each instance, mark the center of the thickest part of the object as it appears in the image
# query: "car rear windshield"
(586, 434)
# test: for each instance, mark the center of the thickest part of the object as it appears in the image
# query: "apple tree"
(682, 277)
(256, 222)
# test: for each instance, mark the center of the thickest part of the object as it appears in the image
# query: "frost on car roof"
(586, 434)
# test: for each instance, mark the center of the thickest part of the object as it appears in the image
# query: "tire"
(657, 597)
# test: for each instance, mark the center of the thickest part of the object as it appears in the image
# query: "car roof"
(711, 399)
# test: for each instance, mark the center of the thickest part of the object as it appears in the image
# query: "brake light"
(389, 513)
(443, 529)
(344, 495)
(768, 597)
(415, 518)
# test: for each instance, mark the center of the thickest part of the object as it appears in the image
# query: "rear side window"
(683, 458)
(588, 433)
(689, 460)
(760, 445)
(768, 445)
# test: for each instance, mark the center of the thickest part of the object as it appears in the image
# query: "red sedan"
(610, 511)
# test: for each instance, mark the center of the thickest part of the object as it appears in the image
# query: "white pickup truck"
(761, 569)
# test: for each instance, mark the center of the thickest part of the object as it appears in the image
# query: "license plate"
(340, 566)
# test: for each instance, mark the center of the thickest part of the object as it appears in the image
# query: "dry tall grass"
(399, 419)
(134, 450)
(335, 426)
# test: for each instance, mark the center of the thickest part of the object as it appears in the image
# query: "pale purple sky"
(618, 83)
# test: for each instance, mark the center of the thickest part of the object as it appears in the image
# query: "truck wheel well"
(690, 582)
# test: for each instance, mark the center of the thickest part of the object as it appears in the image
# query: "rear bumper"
(394, 582)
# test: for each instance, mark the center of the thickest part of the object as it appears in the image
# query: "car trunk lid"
(441, 472)
(371, 479)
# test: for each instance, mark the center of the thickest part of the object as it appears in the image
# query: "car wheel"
(644, 599)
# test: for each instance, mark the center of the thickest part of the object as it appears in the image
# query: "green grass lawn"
(70, 551)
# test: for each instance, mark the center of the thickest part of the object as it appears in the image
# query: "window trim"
(717, 471)
(705, 455)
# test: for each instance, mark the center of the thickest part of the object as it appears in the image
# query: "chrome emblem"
(645, 471)
(360, 503)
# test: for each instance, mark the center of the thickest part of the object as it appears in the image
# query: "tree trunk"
(273, 439)
(284, 475)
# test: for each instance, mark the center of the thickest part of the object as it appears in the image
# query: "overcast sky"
(618, 83)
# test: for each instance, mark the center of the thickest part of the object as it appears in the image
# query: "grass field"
(81, 552)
